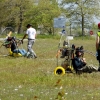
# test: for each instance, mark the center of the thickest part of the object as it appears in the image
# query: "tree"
(20, 8)
(43, 14)
(81, 11)
(13, 12)
(18, 13)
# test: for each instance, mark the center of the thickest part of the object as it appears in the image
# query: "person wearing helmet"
(98, 45)
(79, 63)
(31, 32)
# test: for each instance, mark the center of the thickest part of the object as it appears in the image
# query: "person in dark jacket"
(12, 43)
(79, 63)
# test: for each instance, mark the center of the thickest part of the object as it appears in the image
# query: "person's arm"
(78, 64)
(84, 60)
(35, 33)
(24, 37)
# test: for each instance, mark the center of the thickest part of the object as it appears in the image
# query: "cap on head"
(28, 25)
(98, 25)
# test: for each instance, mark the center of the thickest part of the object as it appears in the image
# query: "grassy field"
(34, 79)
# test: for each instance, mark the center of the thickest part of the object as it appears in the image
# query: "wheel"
(59, 70)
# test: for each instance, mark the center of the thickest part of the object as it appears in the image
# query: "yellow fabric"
(17, 55)
(98, 33)
(14, 54)
(99, 36)
(9, 51)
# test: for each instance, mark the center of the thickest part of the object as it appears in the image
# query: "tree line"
(40, 13)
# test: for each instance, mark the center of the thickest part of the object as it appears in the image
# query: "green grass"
(34, 79)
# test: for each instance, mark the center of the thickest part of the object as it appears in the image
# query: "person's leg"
(30, 50)
(16, 51)
(22, 51)
(89, 69)
(98, 58)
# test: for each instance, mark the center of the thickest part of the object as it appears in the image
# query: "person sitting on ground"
(79, 63)
(12, 43)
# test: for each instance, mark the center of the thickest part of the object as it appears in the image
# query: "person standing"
(31, 32)
(98, 45)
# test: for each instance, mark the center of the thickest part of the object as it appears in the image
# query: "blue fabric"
(77, 63)
(21, 51)
(98, 33)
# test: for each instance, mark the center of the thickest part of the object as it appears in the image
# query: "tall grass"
(34, 79)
